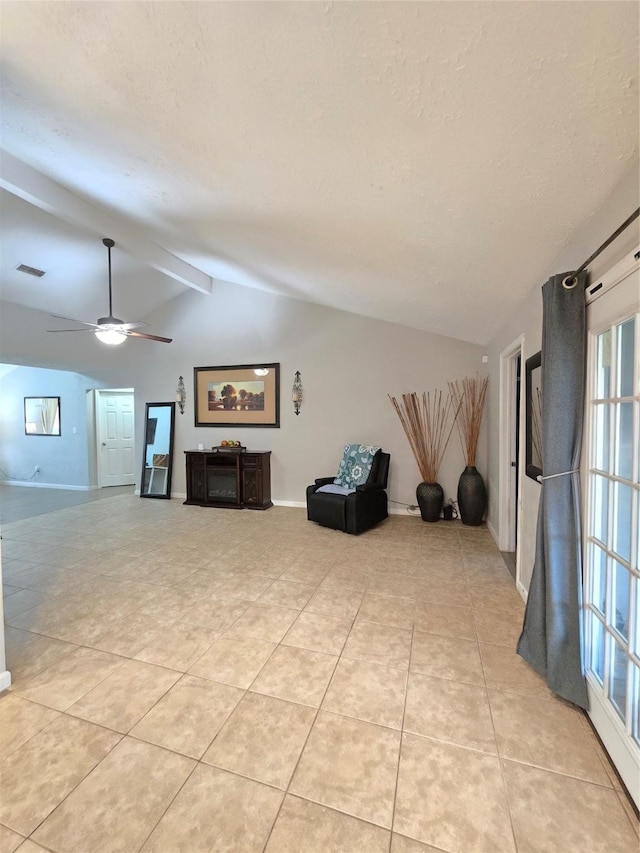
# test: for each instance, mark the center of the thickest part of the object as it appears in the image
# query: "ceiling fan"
(110, 330)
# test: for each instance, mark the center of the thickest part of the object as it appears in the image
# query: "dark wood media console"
(229, 479)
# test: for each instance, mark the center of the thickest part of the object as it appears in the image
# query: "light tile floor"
(189, 679)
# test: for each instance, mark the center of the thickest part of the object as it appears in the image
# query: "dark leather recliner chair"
(353, 513)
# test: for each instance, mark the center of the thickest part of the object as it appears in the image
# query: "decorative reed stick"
(469, 395)
(425, 422)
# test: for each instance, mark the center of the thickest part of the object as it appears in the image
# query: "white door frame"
(99, 457)
(508, 532)
(623, 750)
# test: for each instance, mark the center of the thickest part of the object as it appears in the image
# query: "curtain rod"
(571, 280)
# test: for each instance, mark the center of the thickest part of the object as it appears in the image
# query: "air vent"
(30, 270)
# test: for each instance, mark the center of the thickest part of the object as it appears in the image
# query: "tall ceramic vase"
(430, 497)
(472, 497)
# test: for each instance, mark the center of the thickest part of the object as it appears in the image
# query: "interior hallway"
(191, 679)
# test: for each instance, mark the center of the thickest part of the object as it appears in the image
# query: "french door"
(612, 518)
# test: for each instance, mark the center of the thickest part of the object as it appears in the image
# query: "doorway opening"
(510, 465)
(115, 437)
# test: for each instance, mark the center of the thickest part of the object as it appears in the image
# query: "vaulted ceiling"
(418, 162)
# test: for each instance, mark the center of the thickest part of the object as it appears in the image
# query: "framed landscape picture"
(240, 395)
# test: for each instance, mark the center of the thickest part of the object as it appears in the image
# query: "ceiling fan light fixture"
(110, 336)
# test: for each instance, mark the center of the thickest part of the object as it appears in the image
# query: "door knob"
(104, 443)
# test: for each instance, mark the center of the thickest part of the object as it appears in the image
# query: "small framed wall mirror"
(157, 456)
(533, 442)
(42, 415)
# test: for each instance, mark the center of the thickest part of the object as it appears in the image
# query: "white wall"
(63, 460)
(348, 365)
(527, 321)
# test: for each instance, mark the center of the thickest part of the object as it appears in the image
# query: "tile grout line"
(171, 802)
(402, 730)
(86, 776)
(127, 734)
(499, 756)
(475, 613)
(311, 727)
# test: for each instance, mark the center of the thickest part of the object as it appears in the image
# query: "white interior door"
(612, 475)
(115, 437)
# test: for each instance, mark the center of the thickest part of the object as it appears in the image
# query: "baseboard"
(31, 485)
(523, 592)
(182, 497)
(403, 510)
(5, 680)
(492, 531)
(302, 505)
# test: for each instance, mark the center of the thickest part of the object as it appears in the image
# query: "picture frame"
(42, 416)
(152, 424)
(237, 395)
(533, 412)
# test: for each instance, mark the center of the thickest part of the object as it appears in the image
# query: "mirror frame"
(39, 432)
(533, 363)
(147, 435)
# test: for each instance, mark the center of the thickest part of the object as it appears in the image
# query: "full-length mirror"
(158, 450)
(534, 416)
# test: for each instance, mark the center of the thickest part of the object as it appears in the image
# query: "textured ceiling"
(422, 163)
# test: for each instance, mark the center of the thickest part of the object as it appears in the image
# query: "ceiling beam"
(21, 180)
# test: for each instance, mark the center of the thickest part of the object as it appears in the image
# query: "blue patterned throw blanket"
(355, 465)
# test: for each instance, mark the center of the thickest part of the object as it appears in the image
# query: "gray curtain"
(551, 639)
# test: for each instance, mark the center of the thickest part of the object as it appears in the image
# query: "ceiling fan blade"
(149, 337)
(72, 320)
(110, 323)
(126, 327)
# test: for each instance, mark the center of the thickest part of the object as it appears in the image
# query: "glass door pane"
(612, 535)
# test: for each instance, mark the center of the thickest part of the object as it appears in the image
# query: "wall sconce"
(181, 395)
(296, 393)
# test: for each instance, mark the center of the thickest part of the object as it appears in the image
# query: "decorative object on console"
(468, 396)
(181, 395)
(296, 393)
(426, 424)
(240, 395)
